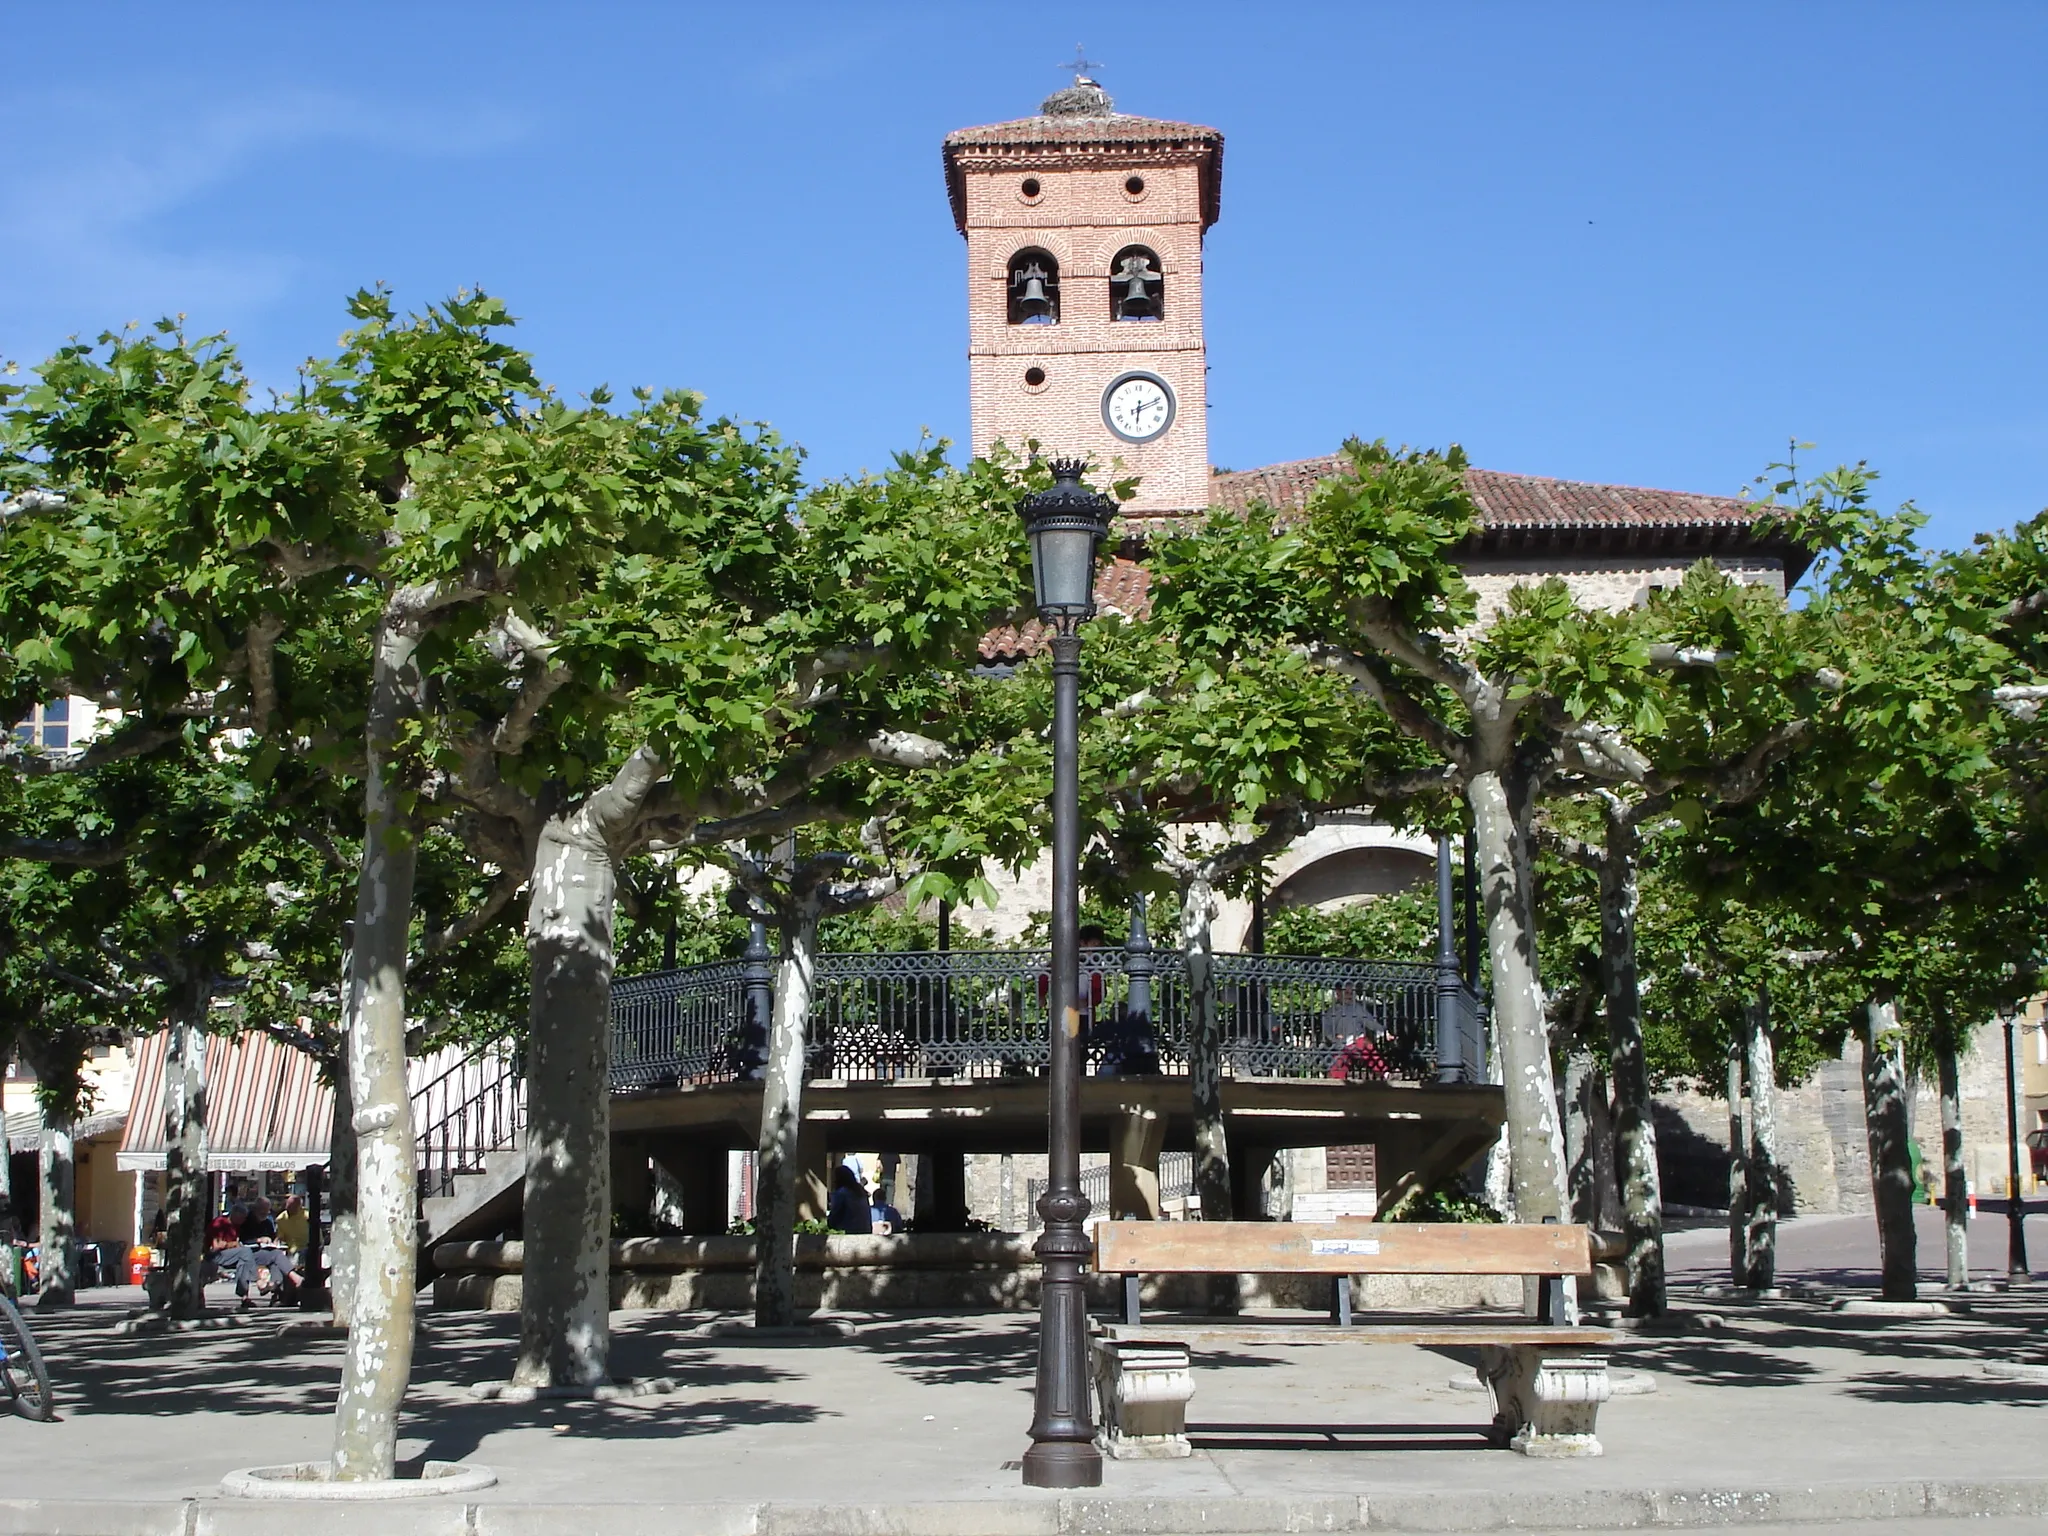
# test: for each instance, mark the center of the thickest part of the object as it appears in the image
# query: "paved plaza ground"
(915, 1424)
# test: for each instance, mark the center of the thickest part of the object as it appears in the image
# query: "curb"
(1422, 1510)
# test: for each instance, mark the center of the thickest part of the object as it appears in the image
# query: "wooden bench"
(1548, 1375)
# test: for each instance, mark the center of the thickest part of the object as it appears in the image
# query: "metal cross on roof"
(1080, 64)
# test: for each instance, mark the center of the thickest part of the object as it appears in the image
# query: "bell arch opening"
(1137, 288)
(1034, 288)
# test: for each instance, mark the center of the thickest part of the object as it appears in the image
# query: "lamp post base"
(1063, 1464)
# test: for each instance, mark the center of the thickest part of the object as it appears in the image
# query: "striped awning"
(266, 1108)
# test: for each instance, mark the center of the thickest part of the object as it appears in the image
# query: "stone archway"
(1330, 863)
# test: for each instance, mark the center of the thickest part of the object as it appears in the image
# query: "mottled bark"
(184, 1110)
(1760, 1249)
(57, 1267)
(1955, 1184)
(1535, 1136)
(565, 1299)
(1205, 1049)
(1582, 1179)
(377, 1365)
(344, 1248)
(1738, 1172)
(781, 1122)
(1635, 1131)
(1891, 1161)
(1213, 1182)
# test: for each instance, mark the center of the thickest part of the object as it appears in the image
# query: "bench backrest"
(1338, 1248)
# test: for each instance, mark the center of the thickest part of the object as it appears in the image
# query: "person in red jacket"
(1350, 1024)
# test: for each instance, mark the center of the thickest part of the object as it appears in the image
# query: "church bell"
(1033, 303)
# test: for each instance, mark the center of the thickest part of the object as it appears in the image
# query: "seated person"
(1361, 1060)
(227, 1256)
(256, 1226)
(292, 1226)
(883, 1218)
(848, 1208)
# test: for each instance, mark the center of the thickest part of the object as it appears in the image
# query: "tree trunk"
(781, 1122)
(344, 1248)
(1891, 1163)
(185, 1202)
(1738, 1172)
(1635, 1131)
(378, 1362)
(1582, 1178)
(8, 1255)
(57, 1269)
(565, 1300)
(1205, 1050)
(1761, 1249)
(1535, 1138)
(1955, 1184)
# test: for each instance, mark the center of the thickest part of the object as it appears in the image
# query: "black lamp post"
(2015, 1202)
(1065, 524)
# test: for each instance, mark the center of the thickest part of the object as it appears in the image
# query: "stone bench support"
(1142, 1391)
(1545, 1403)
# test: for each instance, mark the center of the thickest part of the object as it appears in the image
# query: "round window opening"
(1030, 187)
(1134, 185)
(1034, 377)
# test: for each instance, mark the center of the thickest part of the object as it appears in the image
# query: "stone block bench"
(1548, 1375)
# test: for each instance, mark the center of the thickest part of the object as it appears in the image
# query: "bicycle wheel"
(22, 1376)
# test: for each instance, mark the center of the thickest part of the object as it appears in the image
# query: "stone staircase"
(479, 1201)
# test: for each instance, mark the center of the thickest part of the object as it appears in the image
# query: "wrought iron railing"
(981, 1014)
(474, 1108)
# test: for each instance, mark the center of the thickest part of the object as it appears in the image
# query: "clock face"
(1138, 406)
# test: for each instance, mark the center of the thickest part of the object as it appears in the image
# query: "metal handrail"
(981, 1014)
(474, 1108)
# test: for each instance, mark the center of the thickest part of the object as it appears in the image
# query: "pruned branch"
(126, 741)
(2022, 701)
(1286, 824)
(1369, 677)
(515, 636)
(261, 653)
(83, 853)
(474, 921)
(28, 503)
(318, 1040)
(1689, 657)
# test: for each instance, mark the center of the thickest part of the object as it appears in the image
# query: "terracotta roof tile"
(1523, 514)
(1122, 586)
(1504, 500)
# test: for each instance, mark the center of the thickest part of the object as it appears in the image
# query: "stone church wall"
(1821, 1138)
(1610, 584)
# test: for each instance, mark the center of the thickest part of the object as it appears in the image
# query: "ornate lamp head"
(1066, 523)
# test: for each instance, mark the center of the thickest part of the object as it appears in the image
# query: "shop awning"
(266, 1108)
(25, 1129)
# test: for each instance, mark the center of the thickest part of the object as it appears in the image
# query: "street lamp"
(2015, 1202)
(1065, 523)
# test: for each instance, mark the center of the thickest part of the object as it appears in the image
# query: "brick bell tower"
(1084, 288)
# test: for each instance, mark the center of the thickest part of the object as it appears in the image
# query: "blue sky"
(1637, 243)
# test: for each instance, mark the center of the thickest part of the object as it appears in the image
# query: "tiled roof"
(1504, 500)
(1117, 128)
(1518, 514)
(1122, 586)
(1050, 143)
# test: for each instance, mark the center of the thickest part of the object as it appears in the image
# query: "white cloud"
(86, 198)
